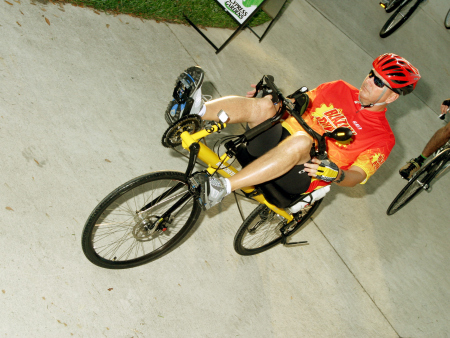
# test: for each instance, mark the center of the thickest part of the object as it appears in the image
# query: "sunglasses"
(378, 82)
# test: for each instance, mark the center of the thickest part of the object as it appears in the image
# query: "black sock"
(420, 159)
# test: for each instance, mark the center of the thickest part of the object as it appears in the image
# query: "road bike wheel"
(419, 182)
(399, 17)
(133, 224)
(261, 230)
(447, 20)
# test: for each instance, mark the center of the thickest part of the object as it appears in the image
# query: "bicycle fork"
(161, 221)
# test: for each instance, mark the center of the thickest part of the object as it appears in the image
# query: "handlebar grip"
(252, 133)
(442, 116)
(271, 83)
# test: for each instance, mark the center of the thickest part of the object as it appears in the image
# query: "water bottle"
(314, 196)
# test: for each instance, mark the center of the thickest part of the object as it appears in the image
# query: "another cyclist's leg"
(437, 140)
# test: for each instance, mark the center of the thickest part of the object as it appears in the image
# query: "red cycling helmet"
(401, 75)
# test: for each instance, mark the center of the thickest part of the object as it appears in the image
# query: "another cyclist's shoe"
(212, 189)
(409, 169)
(187, 95)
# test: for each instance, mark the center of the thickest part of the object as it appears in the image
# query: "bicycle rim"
(419, 182)
(119, 234)
(261, 230)
(399, 17)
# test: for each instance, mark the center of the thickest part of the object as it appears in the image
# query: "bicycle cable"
(218, 144)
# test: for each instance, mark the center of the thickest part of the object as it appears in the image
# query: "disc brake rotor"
(145, 227)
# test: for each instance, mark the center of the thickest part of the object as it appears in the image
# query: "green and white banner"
(240, 9)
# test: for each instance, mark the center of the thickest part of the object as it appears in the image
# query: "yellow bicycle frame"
(213, 161)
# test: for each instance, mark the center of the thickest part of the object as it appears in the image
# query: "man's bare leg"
(437, 140)
(292, 151)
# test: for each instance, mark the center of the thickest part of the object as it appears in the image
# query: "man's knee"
(298, 145)
(265, 106)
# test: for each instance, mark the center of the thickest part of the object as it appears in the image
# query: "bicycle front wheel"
(399, 17)
(261, 230)
(419, 182)
(140, 221)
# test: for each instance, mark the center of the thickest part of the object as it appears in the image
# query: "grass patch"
(204, 13)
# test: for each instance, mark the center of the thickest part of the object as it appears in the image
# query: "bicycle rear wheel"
(140, 221)
(419, 182)
(399, 17)
(261, 230)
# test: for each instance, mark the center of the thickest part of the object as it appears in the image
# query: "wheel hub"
(146, 226)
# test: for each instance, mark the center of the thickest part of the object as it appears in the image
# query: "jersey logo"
(331, 118)
(357, 125)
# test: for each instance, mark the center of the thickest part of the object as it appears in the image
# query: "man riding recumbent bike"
(150, 215)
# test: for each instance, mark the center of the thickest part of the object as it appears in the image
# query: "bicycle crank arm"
(194, 149)
(285, 242)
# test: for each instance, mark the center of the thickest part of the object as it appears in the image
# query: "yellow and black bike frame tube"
(213, 161)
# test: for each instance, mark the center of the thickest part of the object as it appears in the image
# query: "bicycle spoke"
(263, 231)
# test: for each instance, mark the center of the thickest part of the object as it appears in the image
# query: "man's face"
(370, 92)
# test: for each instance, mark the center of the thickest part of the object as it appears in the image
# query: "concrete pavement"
(82, 98)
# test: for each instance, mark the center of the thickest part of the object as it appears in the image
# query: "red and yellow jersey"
(335, 104)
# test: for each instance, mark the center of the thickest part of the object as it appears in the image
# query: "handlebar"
(277, 96)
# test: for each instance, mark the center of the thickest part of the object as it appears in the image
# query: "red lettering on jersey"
(331, 119)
